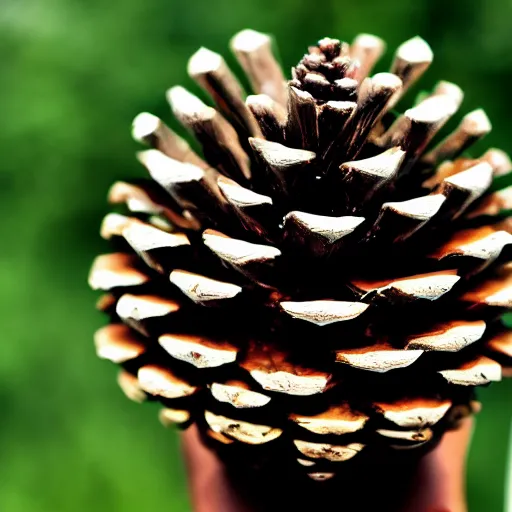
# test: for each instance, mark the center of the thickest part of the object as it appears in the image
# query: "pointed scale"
(141, 311)
(374, 96)
(274, 371)
(301, 130)
(282, 166)
(255, 211)
(150, 130)
(254, 53)
(367, 49)
(357, 181)
(142, 197)
(211, 72)
(255, 261)
(190, 186)
(318, 235)
(472, 128)
(271, 116)
(217, 137)
(411, 60)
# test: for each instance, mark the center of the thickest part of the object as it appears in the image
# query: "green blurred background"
(73, 75)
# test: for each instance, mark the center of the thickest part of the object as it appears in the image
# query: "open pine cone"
(323, 282)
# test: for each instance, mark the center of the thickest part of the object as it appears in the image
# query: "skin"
(433, 484)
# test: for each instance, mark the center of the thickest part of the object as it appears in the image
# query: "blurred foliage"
(74, 74)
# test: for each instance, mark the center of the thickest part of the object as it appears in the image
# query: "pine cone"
(323, 282)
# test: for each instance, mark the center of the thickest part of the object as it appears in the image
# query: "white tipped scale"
(416, 212)
(272, 369)
(169, 417)
(150, 130)
(413, 130)
(135, 197)
(367, 49)
(193, 189)
(211, 72)
(204, 61)
(476, 123)
(115, 270)
(432, 110)
(144, 125)
(280, 163)
(498, 160)
(414, 413)
(430, 287)
(139, 198)
(416, 436)
(187, 107)
(386, 82)
(241, 197)
(301, 127)
(291, 384)
(374, 96)
(423, 286)
(254, 210)
(501, 344)
(145, 237)
(159, 381)
(379, 358)
(477, 372)
(329, 229)
(239, 252)
(306, 462)
(130, 386)
(117, 343)
(264, 103)
(279, 157)
(218, 138)
(135, 309)
(330, 452)
(248, 433)
(412, 59)
(485, 243)
(449, 89)
(324, 312)
(448, 337)
(337, 420)
(167, 171)
(249, 40)
(198, 351)
(113, 225)
(381, 167)
(493, 204)
(315, 80)
(496, 291)
(361, 179)
(472, 128)
(420, 208)
(203, 289)
(415, 51)
(270, 115)
(238, 394)
(502, 298)
(254, 53)
(332, 117)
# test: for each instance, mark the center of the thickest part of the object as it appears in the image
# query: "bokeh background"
(73, 74)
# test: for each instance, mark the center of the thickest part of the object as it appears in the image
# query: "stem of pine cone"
(435, 483)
